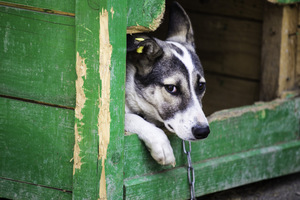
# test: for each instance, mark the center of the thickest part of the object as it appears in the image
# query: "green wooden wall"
(62, 84)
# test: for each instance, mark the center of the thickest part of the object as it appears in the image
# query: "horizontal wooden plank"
(232, 131)
(36, 143)
(17, 190)
(144, 15)
(284, 1)
(37, 56)
(228, 92)
(218, 174)
(66, 6)
(252, 10)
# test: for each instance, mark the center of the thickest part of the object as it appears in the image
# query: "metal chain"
(190, 169)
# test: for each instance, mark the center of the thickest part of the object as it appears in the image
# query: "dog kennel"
(62, 81)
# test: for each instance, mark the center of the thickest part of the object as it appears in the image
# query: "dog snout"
(200, 132)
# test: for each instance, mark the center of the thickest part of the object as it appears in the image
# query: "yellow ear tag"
(139, 39)
(140, 49)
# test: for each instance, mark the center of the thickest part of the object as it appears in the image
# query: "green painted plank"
(99, 132)
(17, 190)
(36, 143)
(66, 5)
(37, 54)
(232, 131)
(284, 1)
(218, 174)
(144, 15)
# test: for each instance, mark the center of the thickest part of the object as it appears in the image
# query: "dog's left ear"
(180, 27)
(142, 50)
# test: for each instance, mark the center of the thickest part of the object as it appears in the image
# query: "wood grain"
(278, 51)
(20, 190)
(36, 144)
(37, 56)
(47, 5)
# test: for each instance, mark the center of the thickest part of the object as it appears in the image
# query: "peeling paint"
(152, 26)
(104, 119)
(80, 101)
(77, 159)
(112, 12)
(236, 112)
(80, 96)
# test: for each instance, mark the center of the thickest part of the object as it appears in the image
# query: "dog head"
(169, 79)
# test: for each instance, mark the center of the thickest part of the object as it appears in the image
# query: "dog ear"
(180, 27)
(142, 51)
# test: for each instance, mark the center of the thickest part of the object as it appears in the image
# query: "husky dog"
(164, 87)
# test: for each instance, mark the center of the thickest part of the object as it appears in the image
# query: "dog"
(164, 87)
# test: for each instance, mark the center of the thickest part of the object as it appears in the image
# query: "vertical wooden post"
(278, 50)
(100, 93)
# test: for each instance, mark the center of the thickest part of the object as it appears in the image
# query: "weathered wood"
(144, 15)
(284, 1)
(37, 56)
(48, 5)
(232, 131)
(218, 174)
(20, 190)
(36, 144)
(99, 112)
(278, 51)
(298, 51)
(233, 91)
(240, 9)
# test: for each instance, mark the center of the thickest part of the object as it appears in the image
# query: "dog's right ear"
(180, 27)
(142, 51)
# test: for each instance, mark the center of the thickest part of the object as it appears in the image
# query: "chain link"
(190, 169)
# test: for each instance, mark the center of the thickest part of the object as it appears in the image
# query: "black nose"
(200, 132)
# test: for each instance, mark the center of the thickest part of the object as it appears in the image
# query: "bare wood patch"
(77, 159)
(259, 106)
(80, 96)
(104, 101)
(80, 101)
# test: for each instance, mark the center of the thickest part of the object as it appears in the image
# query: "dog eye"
(201, 86)
(172, 89)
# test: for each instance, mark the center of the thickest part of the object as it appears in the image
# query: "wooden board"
(232, 131)
(242, 143)
(100, 100)
(278, 51)
(37, 56)
(20, 190)
(36, 144)
(218, 174)
(284, 1)
(47, 5)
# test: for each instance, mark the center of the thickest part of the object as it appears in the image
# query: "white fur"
(155, 139)
(182, 122)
